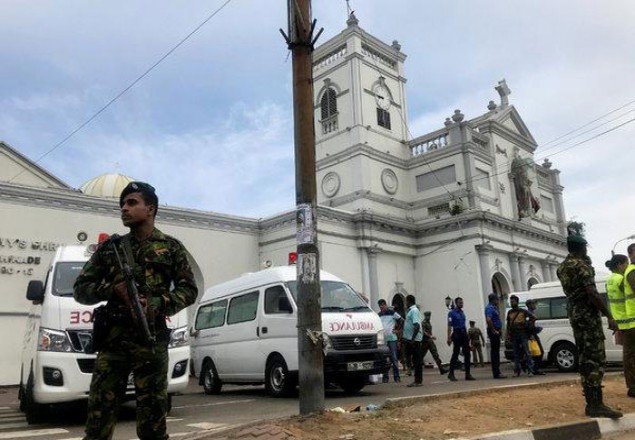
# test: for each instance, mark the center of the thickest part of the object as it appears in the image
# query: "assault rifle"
(138, 314)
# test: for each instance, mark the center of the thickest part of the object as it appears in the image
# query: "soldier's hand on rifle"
(122, 293)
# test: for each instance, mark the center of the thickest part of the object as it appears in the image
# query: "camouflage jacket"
(426, 326)
(475, 335)
(575, 274)
(160, 262)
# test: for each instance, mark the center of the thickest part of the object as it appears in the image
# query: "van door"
(278, 332)
(210, 319)
(241, 337)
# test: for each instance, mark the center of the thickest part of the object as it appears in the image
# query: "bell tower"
(360, 116)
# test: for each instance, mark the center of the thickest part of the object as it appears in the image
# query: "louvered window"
(329, 103)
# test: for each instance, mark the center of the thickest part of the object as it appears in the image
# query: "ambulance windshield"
(336, 297)
(64, 277)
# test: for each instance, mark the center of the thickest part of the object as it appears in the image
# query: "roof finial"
(352, 20)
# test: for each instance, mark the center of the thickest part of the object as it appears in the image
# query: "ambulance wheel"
(33, 410)
(565, 356)
(211, 381)
(353, 385)
(278, 381)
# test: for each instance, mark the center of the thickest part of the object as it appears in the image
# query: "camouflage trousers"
(589, 340)
(428, 345)
(108, 388)
(629, 357)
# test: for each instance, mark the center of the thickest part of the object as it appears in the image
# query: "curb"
(588, 430)
(396, 402)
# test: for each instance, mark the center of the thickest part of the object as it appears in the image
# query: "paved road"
(626, 436)
(195, 411)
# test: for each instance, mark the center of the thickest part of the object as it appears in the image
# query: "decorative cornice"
(74, 200)
(504, 132)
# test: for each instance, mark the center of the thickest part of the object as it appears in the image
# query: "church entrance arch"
(500, 286)
(530, 282)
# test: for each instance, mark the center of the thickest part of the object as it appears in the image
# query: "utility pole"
(310, 344)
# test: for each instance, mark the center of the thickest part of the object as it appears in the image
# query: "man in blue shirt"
(389, 319)
(457, 335)
(412, 336)
(494, 329)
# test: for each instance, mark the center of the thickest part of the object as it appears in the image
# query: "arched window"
(329, 103)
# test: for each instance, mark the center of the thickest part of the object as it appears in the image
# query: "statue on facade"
(520, 172)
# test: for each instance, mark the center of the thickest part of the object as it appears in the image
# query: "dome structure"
(107, 185)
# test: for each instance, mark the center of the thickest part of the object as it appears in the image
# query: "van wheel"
(33, 410)
(353, 385)
(211, 383)
(278, 381)
(565, 356)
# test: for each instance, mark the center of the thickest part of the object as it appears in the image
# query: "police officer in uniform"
(429, 344)
(166, 285)
(585, 309)
(457, 335)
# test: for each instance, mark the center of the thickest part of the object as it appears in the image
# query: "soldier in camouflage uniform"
(585, 309)
(428, 342)
(166, 285)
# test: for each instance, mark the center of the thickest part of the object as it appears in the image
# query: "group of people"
(410, 338)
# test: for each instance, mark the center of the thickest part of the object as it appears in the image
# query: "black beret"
(145, 189)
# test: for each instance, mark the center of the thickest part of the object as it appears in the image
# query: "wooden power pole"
(310, 344)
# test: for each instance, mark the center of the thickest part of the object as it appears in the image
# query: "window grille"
(383, 118)
(329, 103)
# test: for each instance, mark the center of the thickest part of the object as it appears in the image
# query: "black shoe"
(631, 392)
(414, 384)
(469, 377)
(443, 371)
(539, 373)
(451, 377)
(500, 376)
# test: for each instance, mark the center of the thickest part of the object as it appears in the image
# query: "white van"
(245, 333)
(557, 335)
(55, 367)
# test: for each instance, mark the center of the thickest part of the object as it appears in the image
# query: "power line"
(125, 90)
(589, 123)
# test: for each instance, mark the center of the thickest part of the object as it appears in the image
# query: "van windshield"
(64, 277)
(336, 297)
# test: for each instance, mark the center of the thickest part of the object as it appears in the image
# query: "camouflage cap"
(145, 189)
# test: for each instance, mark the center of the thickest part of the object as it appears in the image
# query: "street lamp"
(630, 237)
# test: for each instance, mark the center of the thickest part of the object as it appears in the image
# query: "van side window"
(243, 308)
(211, 315)
(273, 295)
(558, 308)
(543, 307)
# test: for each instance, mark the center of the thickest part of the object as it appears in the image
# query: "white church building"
(461, 211)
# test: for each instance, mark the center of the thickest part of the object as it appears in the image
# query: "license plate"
(359, 366)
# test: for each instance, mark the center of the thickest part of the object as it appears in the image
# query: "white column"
(513, 264)
(554, 275)
(546, 272)
(483, 251)
(373, 279)
(522, 267)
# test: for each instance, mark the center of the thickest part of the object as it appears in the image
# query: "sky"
(210, 127)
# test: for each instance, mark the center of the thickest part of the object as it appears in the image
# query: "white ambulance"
(245, 333)
(55, 367)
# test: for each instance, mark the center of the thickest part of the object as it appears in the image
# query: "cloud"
(211, 126)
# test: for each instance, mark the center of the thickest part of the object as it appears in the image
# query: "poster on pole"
(306, 224)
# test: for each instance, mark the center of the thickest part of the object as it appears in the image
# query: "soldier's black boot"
(595, 406)
(451, 376)
(442, 370)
